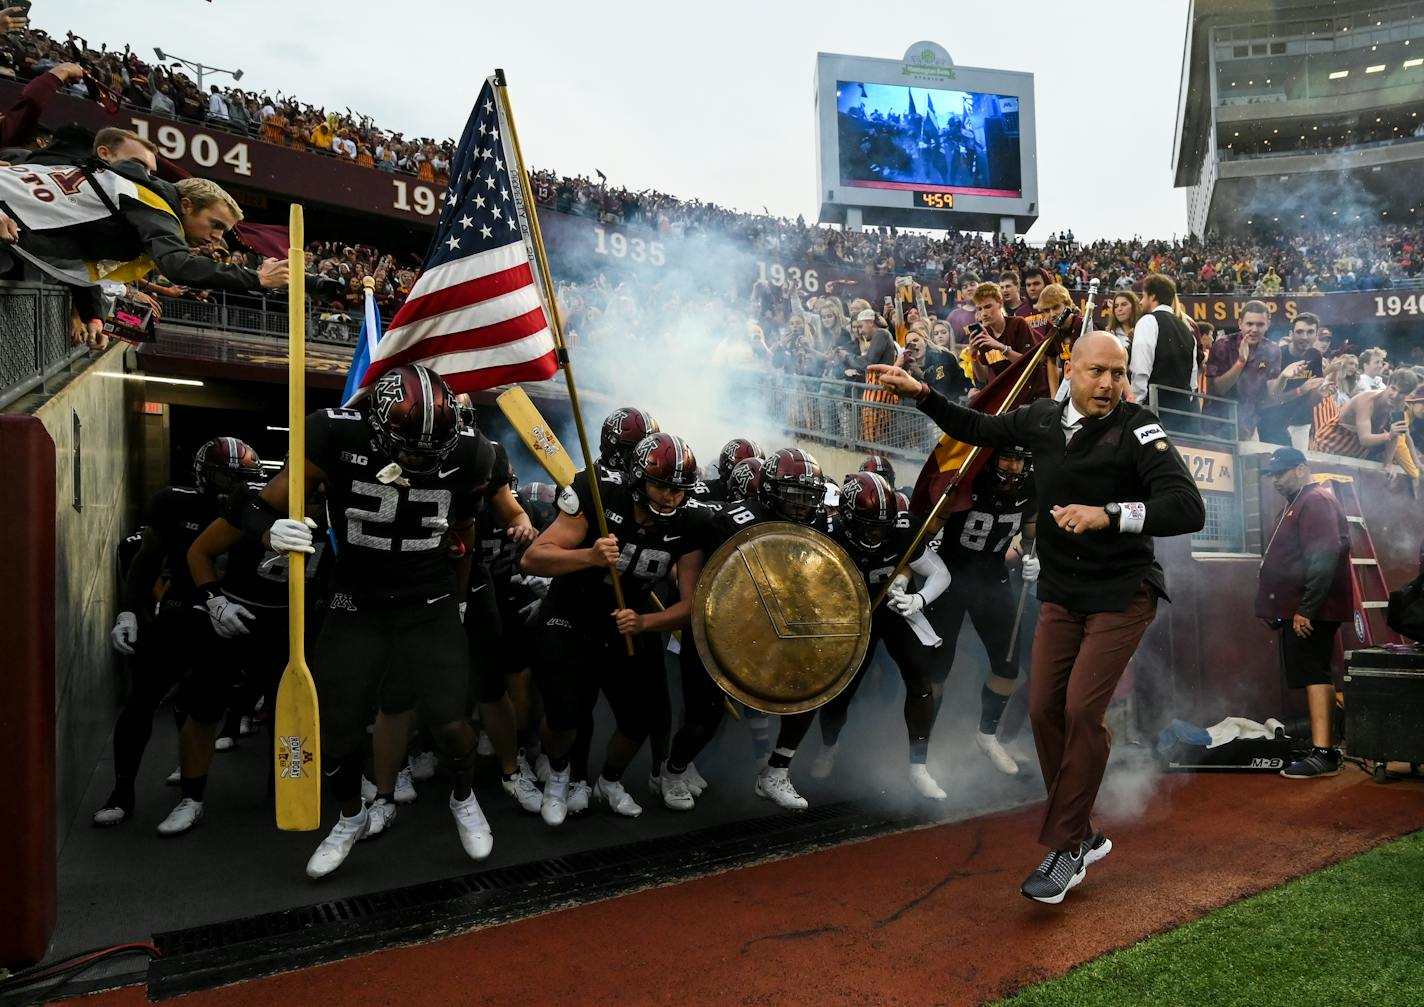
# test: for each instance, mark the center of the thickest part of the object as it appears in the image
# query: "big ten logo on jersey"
(355, 459)
(879, 575)
(980, 528)
(642, 563)
(422, 514)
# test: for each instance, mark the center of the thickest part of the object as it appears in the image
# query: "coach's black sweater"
(1121, 457)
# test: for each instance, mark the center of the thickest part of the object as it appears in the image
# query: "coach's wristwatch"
(1114, 513)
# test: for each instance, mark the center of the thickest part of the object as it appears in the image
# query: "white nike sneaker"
(182, 818)
(541, 768)
(924, 783)
(775, 785)
(695, 782)
(405, 789)
(225, 744)
(825, 763)
(579, 793)
(677, 795)
(174, 777)
(112, 815)
(617, 798)
(368, 790)
(335, 848)
(1002, 760)
(554, 806)
(475, 834)
(484, 747)
(524, 790)
(383, 816)
(422, 767)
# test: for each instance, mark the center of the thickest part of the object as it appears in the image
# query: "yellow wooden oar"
(298, 734)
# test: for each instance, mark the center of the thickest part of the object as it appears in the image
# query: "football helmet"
(744, 480)
(1006, 479)
(414, 417)
(792, 485)
(223, 464)
(664, 460)
(881, 466)
(622, 431)
(736, 450)
(868, 509)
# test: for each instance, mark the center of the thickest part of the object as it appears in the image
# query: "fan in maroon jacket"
(1305, 593)
(1000, 339)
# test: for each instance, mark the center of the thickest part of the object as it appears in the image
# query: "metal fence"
(259, 316)
(1204, 428)
(34, 337)
(847, 414)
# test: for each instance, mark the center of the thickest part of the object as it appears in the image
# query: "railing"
(847, 414)
(1204, 430)
(259, 316)
(34, 337)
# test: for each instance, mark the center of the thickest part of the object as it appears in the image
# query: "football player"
(623, 430)
(735, 451)
(881, 466)
(402, 477)
(579, 646)
(790, 488)
(178, 634)
(872, 528)
(974, 544)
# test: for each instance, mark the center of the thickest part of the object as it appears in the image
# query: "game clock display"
(934, 200)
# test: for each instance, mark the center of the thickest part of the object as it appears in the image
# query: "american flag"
(475, 315)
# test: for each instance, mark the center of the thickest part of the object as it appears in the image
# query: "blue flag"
(365, 348)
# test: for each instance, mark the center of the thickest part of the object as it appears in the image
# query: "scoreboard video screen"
(920, 142)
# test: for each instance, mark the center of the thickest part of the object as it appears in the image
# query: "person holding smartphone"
(997, 339)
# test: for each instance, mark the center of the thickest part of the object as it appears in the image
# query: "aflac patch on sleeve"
(1151, 432)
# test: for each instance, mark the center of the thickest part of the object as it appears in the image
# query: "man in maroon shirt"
(963, 313)
(1245, 367)
(1305, 593)
(999, 339)
(1014, 304)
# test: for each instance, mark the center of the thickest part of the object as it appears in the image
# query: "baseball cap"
(866, 315)
(1282, 460)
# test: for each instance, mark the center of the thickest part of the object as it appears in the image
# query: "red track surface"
(926, 917)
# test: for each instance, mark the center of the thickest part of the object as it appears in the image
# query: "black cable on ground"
(15, 989)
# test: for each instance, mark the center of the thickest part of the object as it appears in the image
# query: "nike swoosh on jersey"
(432, 601)
(447, 472)
(671, 538)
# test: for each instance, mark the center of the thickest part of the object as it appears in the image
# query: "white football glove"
(463, 606)
(125, 632)
(287, 535)
(906, 604)
(1031, 567)
(227, 616)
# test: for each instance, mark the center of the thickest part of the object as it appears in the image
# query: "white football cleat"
(182, 818)
(675, 791)
(554, 807)
(225, 744)
(368, 790)
(475, 834)
(774, 783)
(484, 747)
(695, 782)
(405, 789)
(990, 746)
(334, 849)
(825, 763)
(524, 790)
(617, 798)
(924, 783)
(422, 767)
(579, 794)
(541, 768)
(112, 815)
(383, 816)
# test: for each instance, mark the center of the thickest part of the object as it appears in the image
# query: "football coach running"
(1108, 480)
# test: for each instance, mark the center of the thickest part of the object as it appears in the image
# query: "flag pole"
(923, 533)
(556, 327)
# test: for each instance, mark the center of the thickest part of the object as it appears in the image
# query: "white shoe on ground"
(422, 767)
(383, 816)
(475, 834)
(675, 791)
(554, 808)
(617, 798)
(695, 782)
(579, 794)
(334, 849)
(405, 788)
(990, 746)
(182, 818)
(774, 783)
(925, 784)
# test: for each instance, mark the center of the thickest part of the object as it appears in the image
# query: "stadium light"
(1339, 73)
(1374, 69)
(200, 69)
(1412, 62)
(128, 376)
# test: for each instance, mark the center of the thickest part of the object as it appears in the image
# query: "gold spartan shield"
(781, 617)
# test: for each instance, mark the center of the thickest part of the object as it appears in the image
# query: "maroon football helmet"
(745, 480)
(664, 460)
(736, 450)
(792, 485)
(881, 466)
(868, 509)
(622, 431)
(538, 492)
(415, 418)
(902, 503)
(223, 464)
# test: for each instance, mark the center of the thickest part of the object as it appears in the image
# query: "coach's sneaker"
(1320, 762)
(335, 848)
(924, 783)
(383, 816)
(695, 782)
(405, 788)
(579, 794)
(555, 807)
(182, 818)
(523, 789)
(174, 777)
(994, 751)
(774, 783)
(825, 763)
(1097, 847)
(675, 791)
(475, 834)
(617, 798)
(422, 767)
(1060, 871)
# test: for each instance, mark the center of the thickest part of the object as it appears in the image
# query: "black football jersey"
(709, 491)
(876, 565)
(981, 535)
(257, 576)
(648, 553)
(393, 539)
(178, 514)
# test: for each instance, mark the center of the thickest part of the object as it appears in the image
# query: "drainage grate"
(207, 956)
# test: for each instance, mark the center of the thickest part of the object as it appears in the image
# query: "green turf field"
(1352, 934)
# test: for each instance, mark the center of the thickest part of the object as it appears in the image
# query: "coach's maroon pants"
(1077, 660)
